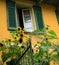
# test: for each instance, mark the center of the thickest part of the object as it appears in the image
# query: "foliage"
(11, 48)
(42, 55)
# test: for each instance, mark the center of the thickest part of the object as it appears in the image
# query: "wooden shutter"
(57, 15)
(11, 14)
(38, 17)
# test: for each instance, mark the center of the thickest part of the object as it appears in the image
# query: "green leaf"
(55, 48)
(47, 25)
(43, 30)
(35, 31)
(52, 36)
(5, 56)
(36, 57)
(52, 33)
(1, 49)
(13, 33)
(55, 57)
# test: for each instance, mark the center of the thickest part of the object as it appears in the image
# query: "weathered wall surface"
(48, 13)
(50, 18)
(3, 20)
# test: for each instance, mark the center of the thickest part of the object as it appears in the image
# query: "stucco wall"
(3, 20)
(50, 18)
(48, 13)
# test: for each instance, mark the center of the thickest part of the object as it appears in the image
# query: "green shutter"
(57, 15)
(11, 15)
(38, 17)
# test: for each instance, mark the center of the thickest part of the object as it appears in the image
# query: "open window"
(18, 16)
(24, 19)
(21, 16)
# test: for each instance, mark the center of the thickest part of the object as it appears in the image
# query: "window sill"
(35, 33)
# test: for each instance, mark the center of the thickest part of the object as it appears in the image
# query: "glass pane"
(29, 30)
(27, 18)
(26, 12)
(28, 24)
(27, 21)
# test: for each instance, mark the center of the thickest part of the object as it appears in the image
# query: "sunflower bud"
(19, 28)
(22, 47)
(9, 40)
(46, 38)
(15, 38)
(21, 35)
(20, 40)
(1, 45)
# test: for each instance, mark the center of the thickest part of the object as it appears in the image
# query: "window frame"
(30, 9)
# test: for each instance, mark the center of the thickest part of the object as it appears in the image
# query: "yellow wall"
(48, 13)
(49, 17)
(4, 33)
(3, 21)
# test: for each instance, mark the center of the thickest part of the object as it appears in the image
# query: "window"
(18, 17)
(24, 19)
(27, 20)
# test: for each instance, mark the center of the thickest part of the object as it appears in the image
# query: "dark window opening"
(19, 11)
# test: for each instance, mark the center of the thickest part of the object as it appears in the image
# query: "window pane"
(29, 30)
(28, 24)
(27, 20)
(26, 12)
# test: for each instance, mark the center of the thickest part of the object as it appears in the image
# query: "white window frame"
(28, 29)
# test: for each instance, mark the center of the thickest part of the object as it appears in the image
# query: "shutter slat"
(38, 17)
(57, 15)
(11, 13)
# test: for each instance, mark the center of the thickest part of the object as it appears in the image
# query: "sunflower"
(47, 28)
(21, 35)
(46, 38)
(20, 40)
(19, 28)
(9, 39)
(1, 45)
(22, 47)
(15, 37)
(21, 31)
